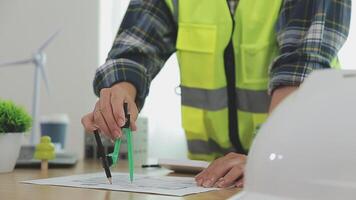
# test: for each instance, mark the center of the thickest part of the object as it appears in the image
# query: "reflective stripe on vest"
(204, 147)
(247, 100)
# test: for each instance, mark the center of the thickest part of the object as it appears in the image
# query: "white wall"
(347, 53)
(72, 57)
(166, 137)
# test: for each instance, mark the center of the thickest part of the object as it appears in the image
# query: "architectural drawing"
(165, 185)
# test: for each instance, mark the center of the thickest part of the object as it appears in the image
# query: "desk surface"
(10, 188)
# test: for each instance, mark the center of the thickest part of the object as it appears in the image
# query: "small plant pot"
(10, 144)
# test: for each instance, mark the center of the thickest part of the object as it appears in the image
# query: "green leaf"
(13, 118)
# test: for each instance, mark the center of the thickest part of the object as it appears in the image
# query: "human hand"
(223, 172)
(108, 115)
(279, 95)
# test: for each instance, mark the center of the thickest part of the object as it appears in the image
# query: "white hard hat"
(307, 147)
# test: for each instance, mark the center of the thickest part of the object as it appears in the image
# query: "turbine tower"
(39, 60)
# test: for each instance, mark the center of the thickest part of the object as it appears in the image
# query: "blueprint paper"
(164, 185)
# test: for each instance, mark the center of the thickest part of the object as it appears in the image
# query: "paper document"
(165, 185)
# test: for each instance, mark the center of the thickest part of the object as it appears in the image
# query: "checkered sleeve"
(309, 33)
(145, 40)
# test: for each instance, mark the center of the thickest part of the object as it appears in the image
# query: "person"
(238, 60)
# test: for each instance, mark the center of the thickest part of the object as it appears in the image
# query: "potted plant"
(14, 121)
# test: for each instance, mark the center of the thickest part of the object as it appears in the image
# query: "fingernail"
(207, 183)
(221, 183)
(218, 181)
(239, 185)
(121, 122)
(117, 134)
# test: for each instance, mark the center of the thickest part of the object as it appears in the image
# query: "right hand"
(224, 172)
(108, 115)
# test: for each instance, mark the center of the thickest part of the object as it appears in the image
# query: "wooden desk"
(10, 188)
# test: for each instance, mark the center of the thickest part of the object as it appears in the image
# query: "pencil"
(150, 165)
(102, 156)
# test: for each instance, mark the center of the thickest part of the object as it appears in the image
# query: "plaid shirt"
(309, 33)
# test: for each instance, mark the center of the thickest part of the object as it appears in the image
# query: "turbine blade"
(44, 77)
(17, 62)
(48, 41)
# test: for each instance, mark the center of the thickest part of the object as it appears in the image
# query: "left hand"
(223, 172)
(279, 95)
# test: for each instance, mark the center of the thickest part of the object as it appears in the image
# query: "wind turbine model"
(39, 60)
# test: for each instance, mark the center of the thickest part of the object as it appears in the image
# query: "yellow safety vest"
(224, 64)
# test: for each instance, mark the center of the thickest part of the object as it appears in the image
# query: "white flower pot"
(10, 144)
